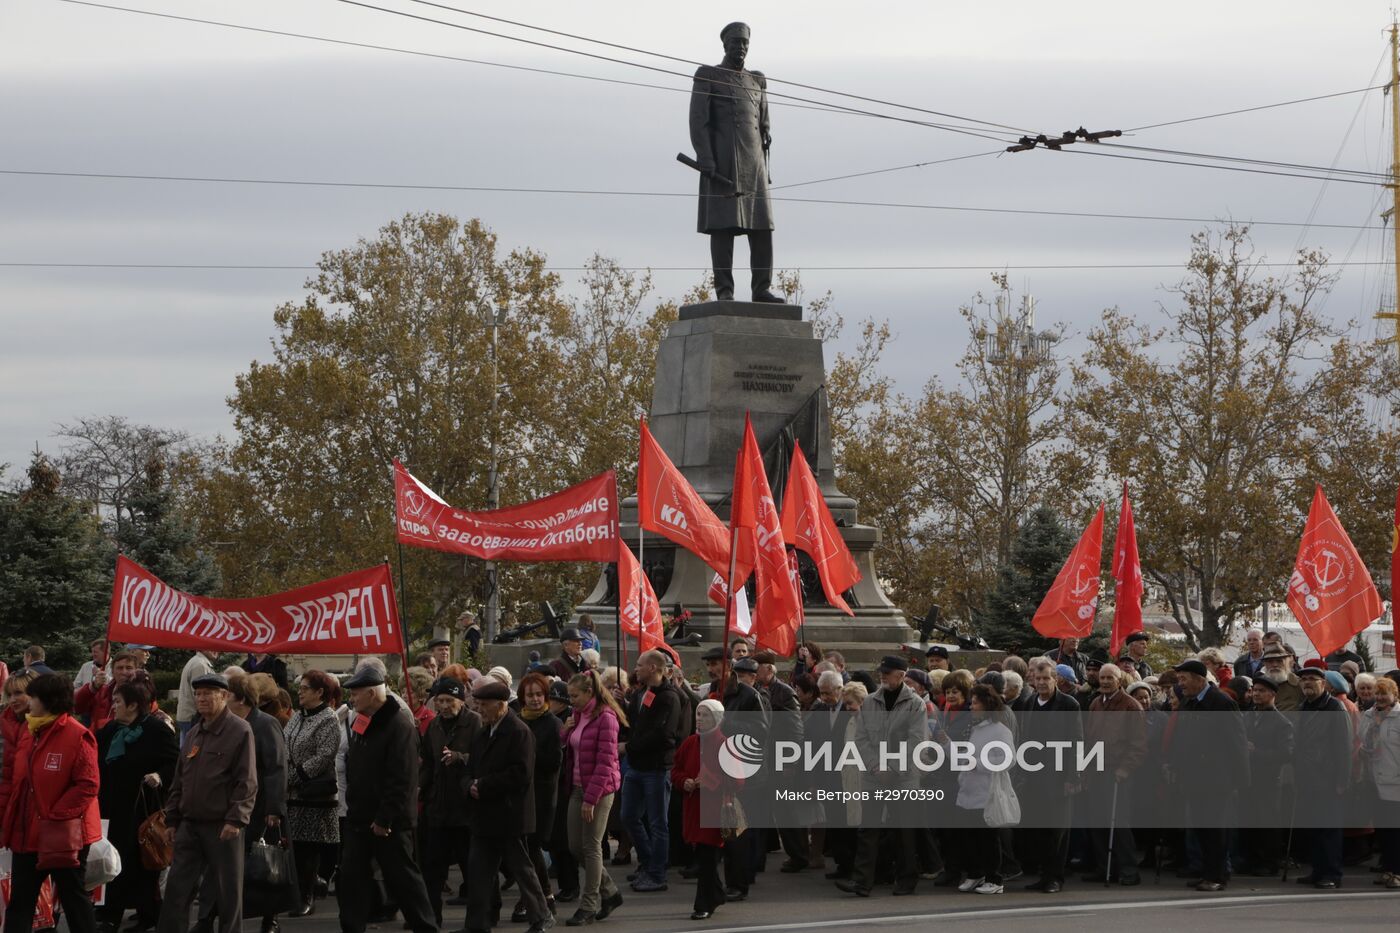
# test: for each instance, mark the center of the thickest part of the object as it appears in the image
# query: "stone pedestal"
(719, 361)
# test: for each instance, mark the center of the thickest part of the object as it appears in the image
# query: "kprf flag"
(757, 529)
(1395, 574)
(639, 612)
(1330, 592)
(1068, 609)
(1127, 576)
(350, 614)
(578, 523)
(809, 527)
(668, 505)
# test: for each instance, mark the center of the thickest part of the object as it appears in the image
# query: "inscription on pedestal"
(767, 377)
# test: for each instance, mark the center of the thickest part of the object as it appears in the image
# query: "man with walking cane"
(1116, 720)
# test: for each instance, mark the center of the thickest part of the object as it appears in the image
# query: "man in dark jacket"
(1209, 763)
(1047, 793)
(208, 808)
(381, 783)
(445, 746)
(1322, 772)
(571, 660)
(793, 816)
(656, 717)
(1269, 739)
(499, 780)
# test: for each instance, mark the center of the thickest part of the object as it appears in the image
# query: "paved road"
(807, 902)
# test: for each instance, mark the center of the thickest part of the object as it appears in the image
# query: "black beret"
(489, 688)
(713, 654)
(1137, 636)
(210, 679)
(936, 651)
(1263, 680)
(1191, 666)
(448, 686)
(893, 662)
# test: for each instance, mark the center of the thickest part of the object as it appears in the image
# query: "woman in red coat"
(690, 775)
(48, 806)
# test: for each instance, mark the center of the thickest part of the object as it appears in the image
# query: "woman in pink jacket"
(590, 762)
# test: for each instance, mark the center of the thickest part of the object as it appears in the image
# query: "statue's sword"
(684, 159)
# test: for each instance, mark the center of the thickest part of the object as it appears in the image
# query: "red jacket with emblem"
(53, 774)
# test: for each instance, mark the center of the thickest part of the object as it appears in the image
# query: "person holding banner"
(210, 802)
(94, 700)
(60, 792)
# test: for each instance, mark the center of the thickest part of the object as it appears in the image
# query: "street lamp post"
(493, 493)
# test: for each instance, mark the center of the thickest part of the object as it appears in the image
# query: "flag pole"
(729, 604)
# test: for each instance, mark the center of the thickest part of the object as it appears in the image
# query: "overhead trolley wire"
(601, 192)
(686, 61)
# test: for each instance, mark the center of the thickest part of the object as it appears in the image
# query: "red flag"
(808, 526)
(754, 515)
(1127, 575)
(668, 505)
(1330, 592)
(1068, 609)
(639, 612)
(1395, 574)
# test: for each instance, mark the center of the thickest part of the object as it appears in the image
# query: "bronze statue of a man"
(729, 130)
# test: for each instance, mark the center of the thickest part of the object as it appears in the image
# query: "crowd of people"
(531, 788)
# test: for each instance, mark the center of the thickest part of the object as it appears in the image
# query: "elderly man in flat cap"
(210, 804)
(443, 759)
(381, 797)
(730, 133)
(500, 781)
(891, 715)
(1322, 776)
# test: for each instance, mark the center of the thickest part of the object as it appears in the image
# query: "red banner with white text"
(578, 523)
(350, 614)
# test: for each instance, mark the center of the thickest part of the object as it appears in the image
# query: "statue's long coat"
(728, 126)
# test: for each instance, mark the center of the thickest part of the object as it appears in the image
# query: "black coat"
(120, 798)
(549, 757)
(1044, 790)
(502, 767)
(656, 727)
(270, 759)
(441, 784)
(381, 770)
(1209, 753)
(1322, 754)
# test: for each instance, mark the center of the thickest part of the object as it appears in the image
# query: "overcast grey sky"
(94, 90)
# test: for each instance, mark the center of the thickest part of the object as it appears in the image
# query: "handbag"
(1003, 808)
(58, 842)
(270, 879)
(156, 850)
(324, 787)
